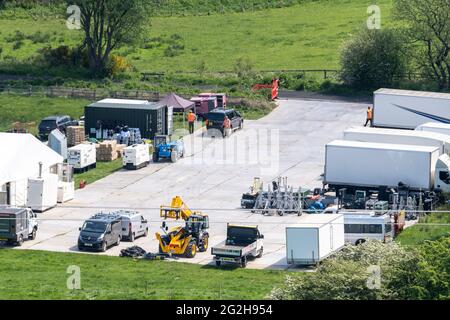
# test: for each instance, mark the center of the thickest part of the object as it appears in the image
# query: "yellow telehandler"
(183, 240)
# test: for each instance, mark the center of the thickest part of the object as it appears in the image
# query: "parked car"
(134, 225)
(100, 232)
(215, 119)
(51, 123)
(17, 225)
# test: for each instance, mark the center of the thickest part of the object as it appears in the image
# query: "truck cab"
(442, 174)
(17, 225)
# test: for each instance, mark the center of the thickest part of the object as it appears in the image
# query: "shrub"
(373, 58)
(17, 45)
(117, 65)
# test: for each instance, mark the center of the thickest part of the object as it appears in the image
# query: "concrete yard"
(299, 130)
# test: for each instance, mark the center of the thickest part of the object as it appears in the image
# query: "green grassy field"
(420, 233)
(302, 36)
(43, 275)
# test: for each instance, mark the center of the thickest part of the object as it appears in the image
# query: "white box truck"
(136, 156)
(366, 165)
(82, 157)
(406, 109)
(397, 136)
(43, 193)
(314, 239)
(442, 128)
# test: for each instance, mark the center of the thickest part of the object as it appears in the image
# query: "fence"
(89, 94)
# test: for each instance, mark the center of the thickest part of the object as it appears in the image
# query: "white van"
(359, 228)
(134, 225)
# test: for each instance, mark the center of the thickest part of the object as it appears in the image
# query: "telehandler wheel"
(205, 244)
(191, 250)
(174, 156)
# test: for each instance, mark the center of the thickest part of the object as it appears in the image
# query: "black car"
(49, 124)
(215, 119)
(100, 232)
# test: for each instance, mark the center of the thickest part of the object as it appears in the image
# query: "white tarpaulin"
(20, 155)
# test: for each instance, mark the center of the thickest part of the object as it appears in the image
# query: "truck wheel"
(260, 253)
(32, 236)
(218, 263)
(244, 262)
(191, 250)
(20, 241)
(174, 156)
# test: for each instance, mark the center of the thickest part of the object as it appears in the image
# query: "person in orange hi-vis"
(369, 117)
(191, 118)
(226, 127)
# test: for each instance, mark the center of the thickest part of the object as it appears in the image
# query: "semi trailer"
(397, 136)
(406, 109)
(359, 165)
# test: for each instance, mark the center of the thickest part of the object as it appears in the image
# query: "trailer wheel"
(32, 236)
(244, 262)
(20, 241)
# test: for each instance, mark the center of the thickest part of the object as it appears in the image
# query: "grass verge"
(43, 275)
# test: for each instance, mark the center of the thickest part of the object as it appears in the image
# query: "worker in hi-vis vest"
(191, 118)
(369, 116)
(226, 127)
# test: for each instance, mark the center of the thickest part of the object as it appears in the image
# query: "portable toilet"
(57, 141)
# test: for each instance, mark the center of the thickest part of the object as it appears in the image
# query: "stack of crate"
(120, 148)
(107, 151)
(75, 136)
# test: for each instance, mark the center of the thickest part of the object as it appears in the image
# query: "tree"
(427, 24)
(373, 58)
(109, 24)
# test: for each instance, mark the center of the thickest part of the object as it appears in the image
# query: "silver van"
(134, 225)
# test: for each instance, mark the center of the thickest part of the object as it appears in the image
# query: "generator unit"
(82, 157)
(66, 183)
(42, 193)
(136, 156)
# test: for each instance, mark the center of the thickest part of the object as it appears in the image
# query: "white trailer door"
(302, 245)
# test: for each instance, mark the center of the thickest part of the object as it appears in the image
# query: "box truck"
(397, 136)
(17, 225)
(82, 157)
(406, 109)
(442, 128)
(368, 166)
(314, 239)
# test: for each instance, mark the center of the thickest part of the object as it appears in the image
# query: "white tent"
(19, 160)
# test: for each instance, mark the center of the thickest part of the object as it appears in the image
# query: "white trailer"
(397, 136)
(406, 109)
(136, 156)
(314, 239)
(441, 128)
(356, 164)
(82, 157)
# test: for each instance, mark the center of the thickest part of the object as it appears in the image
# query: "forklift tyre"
(191, 250)
(32, 236)
(155, 157)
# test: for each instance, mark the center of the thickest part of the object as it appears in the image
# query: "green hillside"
(303, 36)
